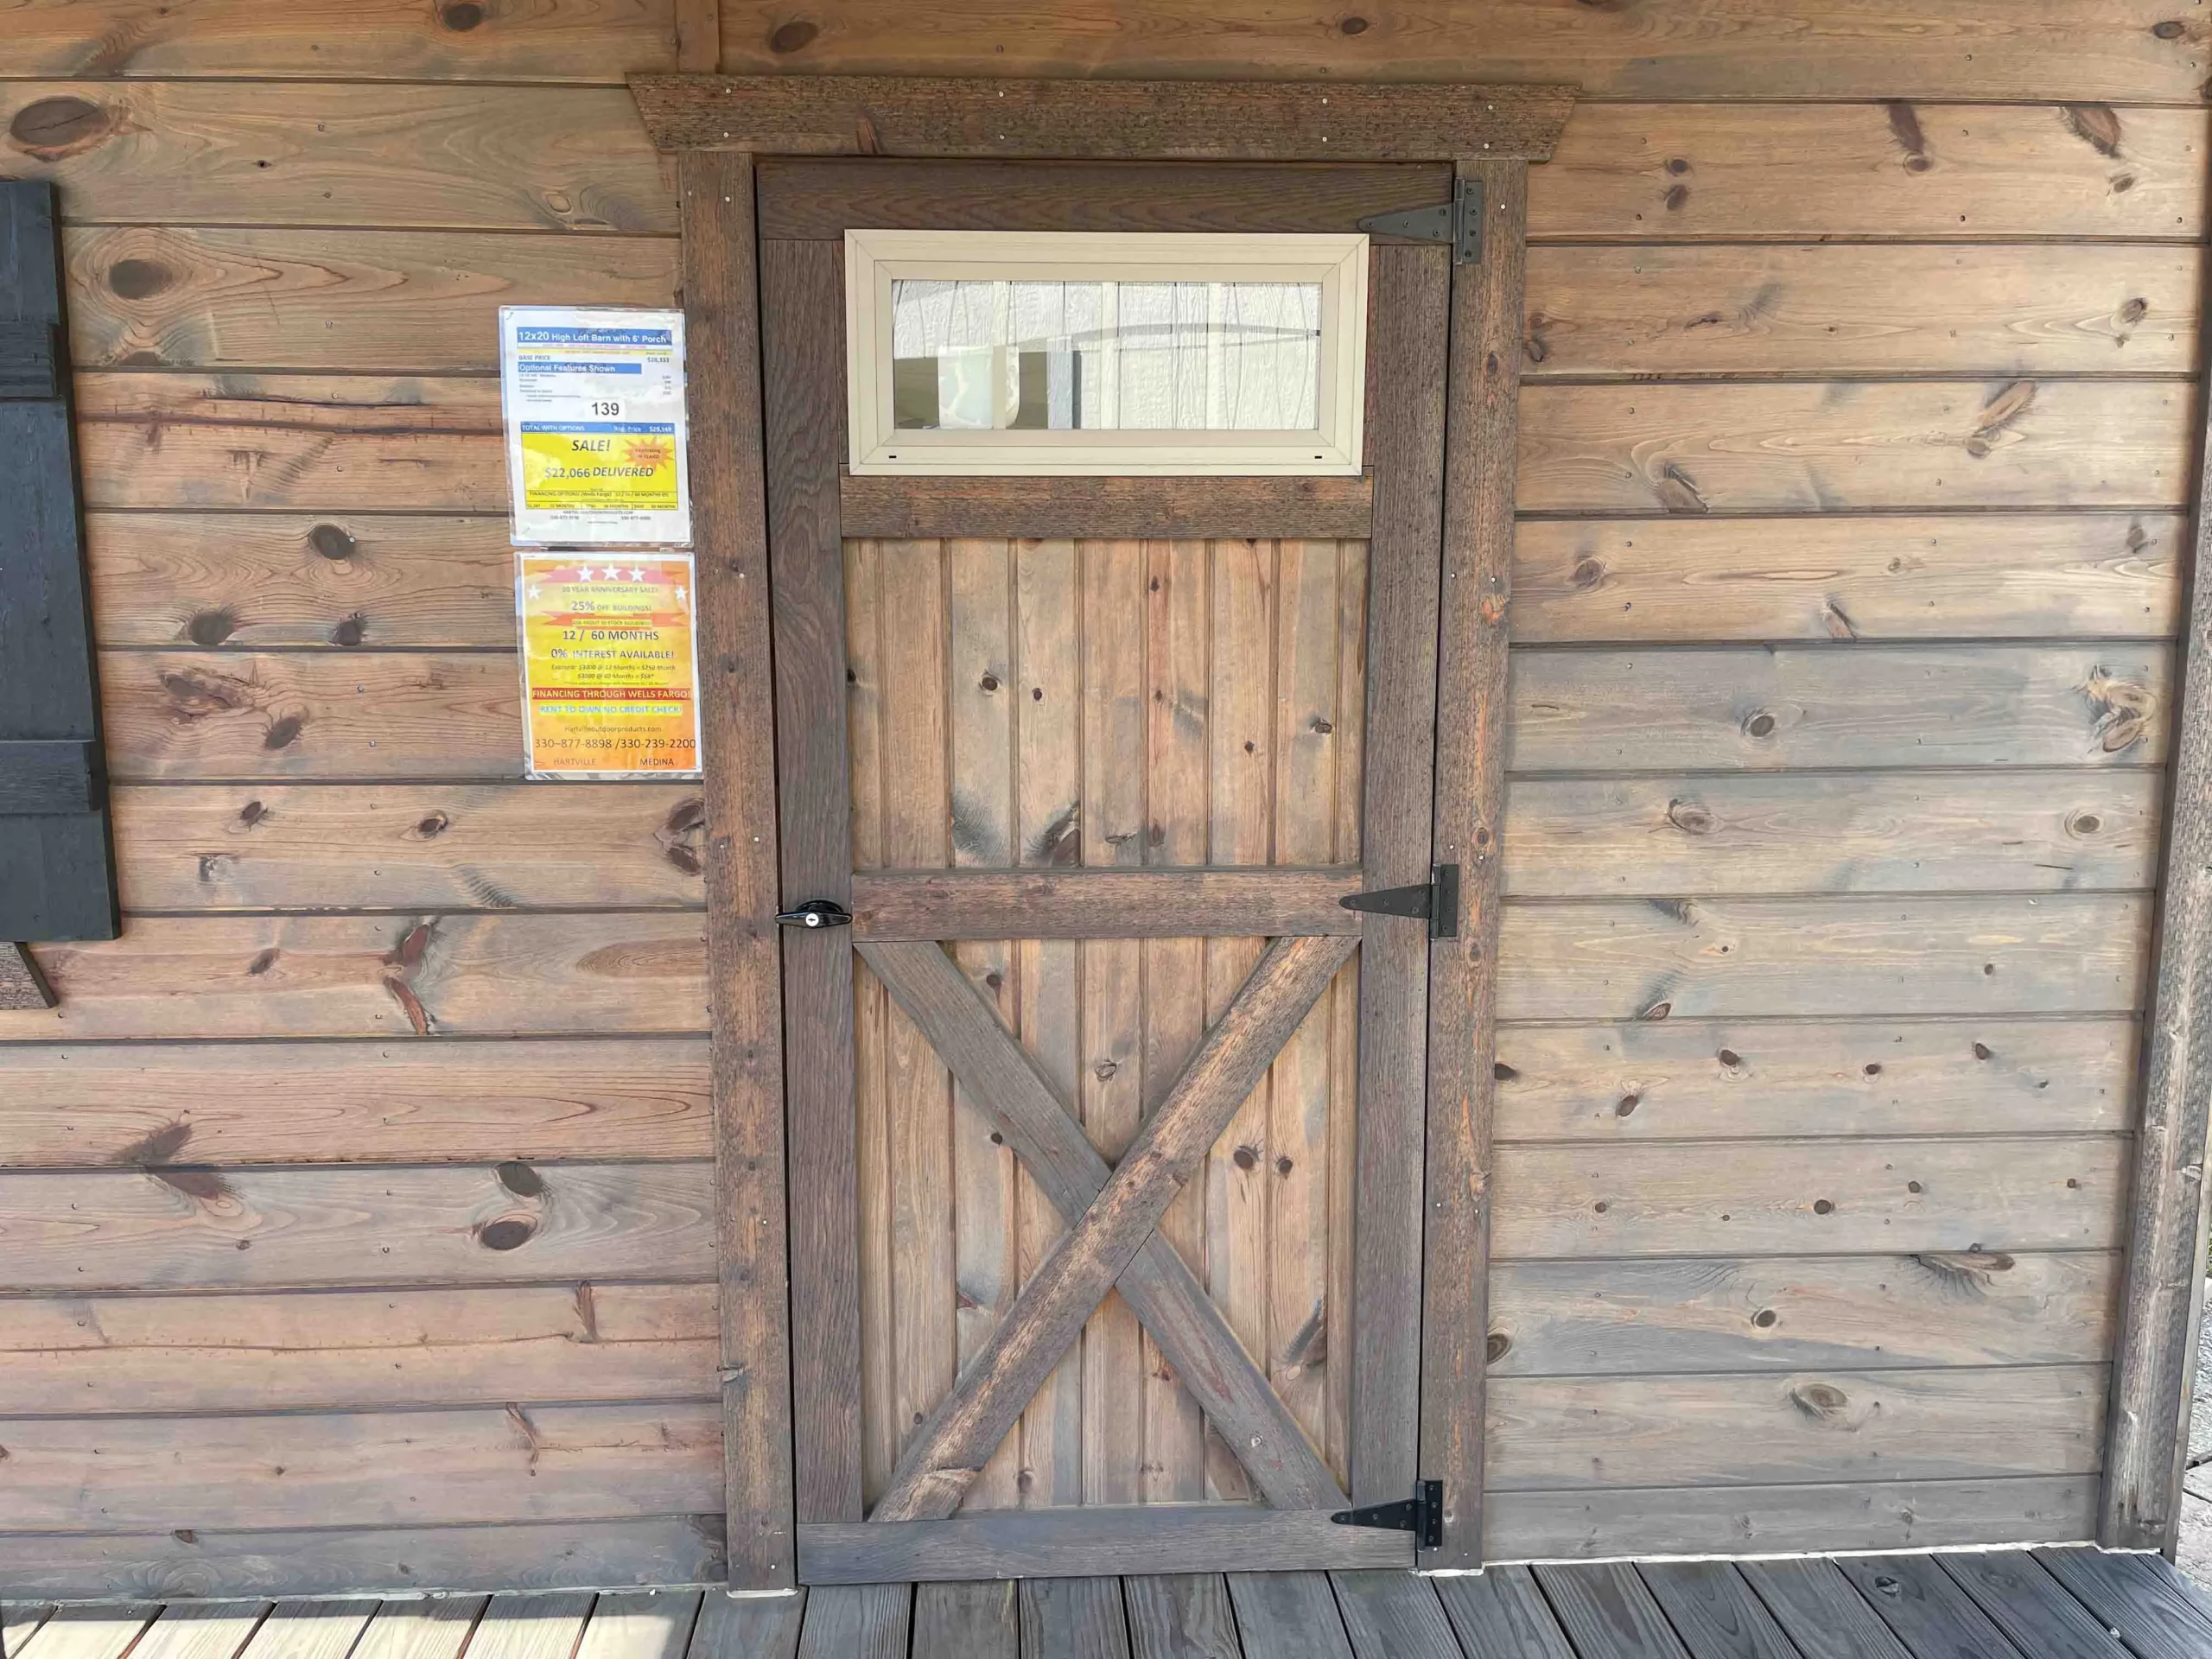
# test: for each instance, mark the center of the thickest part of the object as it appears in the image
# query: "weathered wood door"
(1106, 1118)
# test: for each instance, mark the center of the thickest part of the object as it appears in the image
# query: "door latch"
(1437, 899)
(1422, 1515)
(816, 912)
(1459, 221)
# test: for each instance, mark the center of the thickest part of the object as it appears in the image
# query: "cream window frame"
(875, 258)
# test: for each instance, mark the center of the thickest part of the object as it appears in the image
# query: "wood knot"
(1503, 1072)
(2096, 125)
(1819, 1401)
(432, 825)
(1759, 725)
(1998, 416)
(351, 629)
(507, 1233)
(794, 36)
(138, 279)
(1587, 573)
(331, 542)
(2084, 823)
(283, 733)
(1981, 1051)
(1764, 1319)
(2171, 28)
(1626, 1105)
(52, 129)
(2123, 710)
(1823, 1207)
(1245, 1158)
(1730, 1058)
(1905, 132)
(1352, 25)
(1497, 1347)
(212, 627)
(1690, 817)
(521, 1179)
(461, 15)
(253, 813)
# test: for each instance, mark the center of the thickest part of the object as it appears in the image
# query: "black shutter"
(57, 869)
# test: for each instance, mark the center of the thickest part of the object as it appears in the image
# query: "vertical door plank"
(881, 1430)
(1928, 1614)
(916, 795)
(1074, 1618)
(803, 338)
(1486, 373)
(1176, 653)
(1241, 761)
(967, 1619)
(1112, 832)
(1392, 1615)
(1289, 1615)
(1409, 307)
(748, 1627)
(1824, 1616)
(1049, 834)
(425, 1630)
(1714, 1612)
(1341, 1321)
(2029, 1606)
(1184, 1617)
(1502, 1614)
(984, 710)
(1608, 1613)
(1296, 1176)
(722, 329)
(863, 1621)
(2162, 1300)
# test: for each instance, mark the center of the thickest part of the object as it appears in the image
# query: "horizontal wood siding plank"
(411, 846)
(359, 1561)
(1805, 48)
(1767, 1520)
(324, 443)
(1103, 904)
(1822, 447)
(2032, 576)
(277, 1102)
(185, 1228)
(1835, 832)
(364, 1469)
(1873, 169)
(1553, 1432)
(378, 977)
(77, 1355)
(565, 40)
(1961, 1198)
(554, 158)
(1673, 1080)
(1839, 308)
(315, 299)
(1761, 1314)
(203, 717)
(187, 714)
(245, 152)
(642, 972)
(1586, 959)
(1722, 709)
(244, 579)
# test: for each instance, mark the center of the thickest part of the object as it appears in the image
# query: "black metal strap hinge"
(1422, 1515)
(1459, 221)
(1437, 899)
(816, 912)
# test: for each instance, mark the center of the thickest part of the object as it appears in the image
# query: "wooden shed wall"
(1861, 398)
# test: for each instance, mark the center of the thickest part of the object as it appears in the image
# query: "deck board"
(2062, 1603)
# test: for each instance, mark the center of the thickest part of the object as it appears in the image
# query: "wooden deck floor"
(2064, 1604)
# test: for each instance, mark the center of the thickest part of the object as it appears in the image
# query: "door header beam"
(980, 118)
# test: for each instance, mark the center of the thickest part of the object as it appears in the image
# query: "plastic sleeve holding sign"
(610, 665)
(597, 441)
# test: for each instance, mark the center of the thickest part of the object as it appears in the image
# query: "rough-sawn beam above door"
(1124, 120)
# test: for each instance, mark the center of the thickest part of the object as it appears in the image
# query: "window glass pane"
(1103, 356)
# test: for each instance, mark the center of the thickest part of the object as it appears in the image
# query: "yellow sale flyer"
(610, 676)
